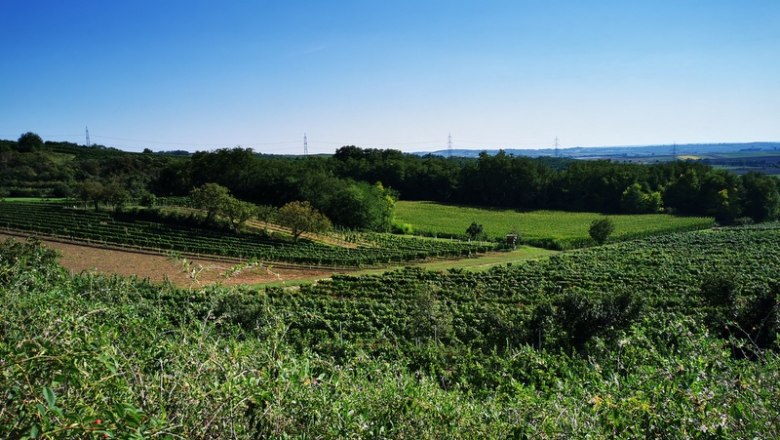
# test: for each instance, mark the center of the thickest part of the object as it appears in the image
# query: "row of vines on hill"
(105, 227)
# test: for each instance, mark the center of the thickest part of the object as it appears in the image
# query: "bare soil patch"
(183, 272)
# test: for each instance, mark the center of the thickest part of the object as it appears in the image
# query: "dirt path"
(181, 272)
(203, 271)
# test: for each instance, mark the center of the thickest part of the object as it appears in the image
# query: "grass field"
(33, 199)
(550, 229)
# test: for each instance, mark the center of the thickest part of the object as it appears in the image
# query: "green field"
(33, 199)
(551, 229)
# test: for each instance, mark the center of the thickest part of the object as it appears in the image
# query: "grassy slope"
(566, 228)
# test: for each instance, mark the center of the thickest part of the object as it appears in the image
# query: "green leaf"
(34, 431)
(51, 399)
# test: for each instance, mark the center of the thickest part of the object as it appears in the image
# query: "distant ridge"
(624, 151)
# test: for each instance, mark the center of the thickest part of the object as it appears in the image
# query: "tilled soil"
(183, 272)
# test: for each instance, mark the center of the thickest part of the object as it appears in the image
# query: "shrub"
(601, 229)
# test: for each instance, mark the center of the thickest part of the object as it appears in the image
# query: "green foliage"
(212, 198)
(95, 356)
(582, 317)
(601, 229)
(115, 194)
(29, 142)
(90, 191)
(349, 178)
(402, 228)
(301, 217)
(217, 200)
(474, 231)
(636, 201)
(735, 310)
(761, 200)
(238, 212)
(147, 199)
(429, 318)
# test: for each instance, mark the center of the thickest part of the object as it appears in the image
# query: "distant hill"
(621, 151)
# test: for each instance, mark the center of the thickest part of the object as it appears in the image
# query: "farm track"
(78, 256)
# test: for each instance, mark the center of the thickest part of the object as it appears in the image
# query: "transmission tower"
(557, 153)
(674, 150)
(87, 129)
(305, 145)
(449, 145)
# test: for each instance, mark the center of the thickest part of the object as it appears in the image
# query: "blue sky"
(171, 74)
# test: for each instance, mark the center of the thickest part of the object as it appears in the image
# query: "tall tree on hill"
(29, 142)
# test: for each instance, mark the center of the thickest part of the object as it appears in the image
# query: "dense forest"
(355, 186)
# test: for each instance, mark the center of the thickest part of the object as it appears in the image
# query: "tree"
(115, 194)
(601, 229)
(267, 214)
(360, 205)
(238, 212)
(301, 217)
(29, 142)
(217, 200)
(90, 191)
(761, 200)
(211, 197)
(636, 201)
(147, 199)
(474, 231)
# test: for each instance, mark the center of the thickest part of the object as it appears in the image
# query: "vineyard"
(550, 229)
(667, 337)
(101, 227)
(503, 308)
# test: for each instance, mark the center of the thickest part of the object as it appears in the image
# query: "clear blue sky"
(172, 74)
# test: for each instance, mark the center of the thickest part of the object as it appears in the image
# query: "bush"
(601, 229)
(402, 228)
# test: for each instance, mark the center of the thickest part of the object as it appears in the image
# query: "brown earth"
(183, 272)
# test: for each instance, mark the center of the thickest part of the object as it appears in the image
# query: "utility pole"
(305, 145)
(88, 143)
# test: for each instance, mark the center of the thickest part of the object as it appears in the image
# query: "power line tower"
(88, 143)
(557, 153)
(305, 145)
(674, 150)
(449, 145)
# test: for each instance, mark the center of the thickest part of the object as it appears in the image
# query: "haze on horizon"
(198, 75)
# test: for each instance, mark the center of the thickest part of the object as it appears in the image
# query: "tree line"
(356, 187)
(506, 181)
